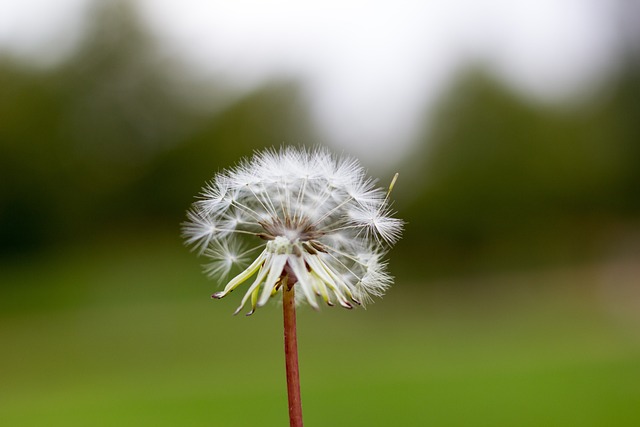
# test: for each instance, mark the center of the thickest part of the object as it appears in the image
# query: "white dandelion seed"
(315, 220)
(224, 255)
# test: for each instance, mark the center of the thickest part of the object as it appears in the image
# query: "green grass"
(124, 334)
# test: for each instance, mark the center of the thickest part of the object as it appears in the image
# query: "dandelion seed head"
(311, 220)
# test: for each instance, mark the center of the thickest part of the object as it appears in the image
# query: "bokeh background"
(515, 127)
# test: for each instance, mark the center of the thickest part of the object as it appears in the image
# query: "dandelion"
(317, 221)
(312, 223)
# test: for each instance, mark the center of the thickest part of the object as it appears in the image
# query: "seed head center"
(300, 230)
(280, 245)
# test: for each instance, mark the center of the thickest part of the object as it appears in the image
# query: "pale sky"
(371, 68)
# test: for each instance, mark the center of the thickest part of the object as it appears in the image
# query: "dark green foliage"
(516, 183)
(109, 137)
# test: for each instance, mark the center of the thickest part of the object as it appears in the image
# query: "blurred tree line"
(508, 182)
(116, 136)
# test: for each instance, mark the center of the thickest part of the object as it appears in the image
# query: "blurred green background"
(517, 295)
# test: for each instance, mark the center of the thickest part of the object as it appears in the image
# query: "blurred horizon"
(125, 135)
(371, 95)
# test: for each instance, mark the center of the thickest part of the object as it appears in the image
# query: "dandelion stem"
(291, 356)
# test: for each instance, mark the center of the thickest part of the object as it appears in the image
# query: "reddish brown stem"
(291, 357)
